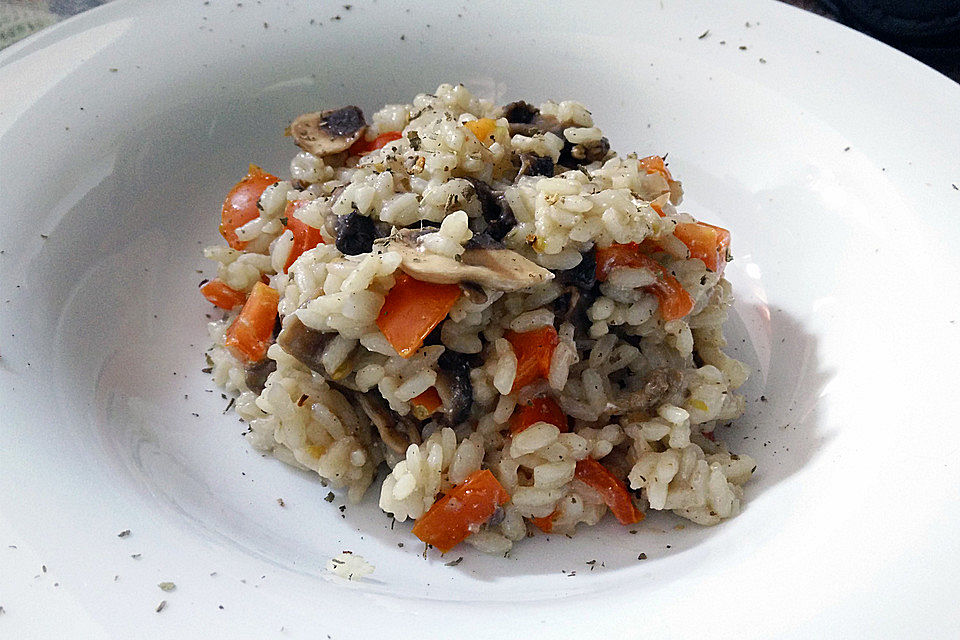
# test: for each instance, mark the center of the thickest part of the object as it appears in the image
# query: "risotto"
(509, 324)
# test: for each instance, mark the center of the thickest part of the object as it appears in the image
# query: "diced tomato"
(534, 350)
(217, 292)
(362, 146)
(240, 205)
(674, 300)
(613, 490)
(305, 237)
(539, 409)
(461, 511)
(412, 309)
(251, 332)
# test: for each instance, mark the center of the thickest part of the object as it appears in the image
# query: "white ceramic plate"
(831, 157)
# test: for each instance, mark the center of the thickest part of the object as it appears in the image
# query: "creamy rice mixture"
(510, 327)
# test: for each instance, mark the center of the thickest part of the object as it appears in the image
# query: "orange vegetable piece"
(533, 349)
(483, 129)
(305, 237)
(240, 206)
(674, 300)
(461, 511)
(363, 145)
(540, 409)
(654, 164)
(705, 241)
(613, 490)
(217, 292)
(545, 523)
(428, 402)
(252, 331)
(412, 309)
(618, 255)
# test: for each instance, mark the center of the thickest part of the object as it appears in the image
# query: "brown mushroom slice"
(658, 387)
(303, 343)
(387, 424)
(256, 374)
(325, 133)
(495, 269)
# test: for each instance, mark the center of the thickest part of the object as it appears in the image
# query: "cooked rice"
(613, 346)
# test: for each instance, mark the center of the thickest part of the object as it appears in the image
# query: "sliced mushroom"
(255, 375)
(387, 423)
(575, 155)
(495, 209)
(483, 240)
(583, 275)
(659, 386)
(520, 112)
(525, 123)
(534, 165)
(303, 343)
(473, 292)
(355, 234)
(496, 269)
(567, 303)
(455, 374)
(325, 133)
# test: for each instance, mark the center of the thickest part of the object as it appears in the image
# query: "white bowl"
(832, 159)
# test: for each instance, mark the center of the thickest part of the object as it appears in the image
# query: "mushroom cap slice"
(397, 432)
(324, 133)
(492, 268)
(303, 343)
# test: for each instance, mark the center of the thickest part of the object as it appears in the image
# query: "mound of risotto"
(510, 324)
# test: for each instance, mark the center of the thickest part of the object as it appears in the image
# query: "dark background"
(928, 30)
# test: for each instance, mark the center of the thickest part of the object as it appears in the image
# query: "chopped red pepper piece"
(412, 309)
(545, 523)
(705, 241)
(251, 333)
(240, 205)
(534, 350)
(461, 511)
(539, 409)
(305, 237)
(217, 292)
(613, 490)
(654, 164)
(674, 300)
(363, 145)
(429, 401)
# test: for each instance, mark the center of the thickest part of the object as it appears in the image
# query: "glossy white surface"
(832, 160)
